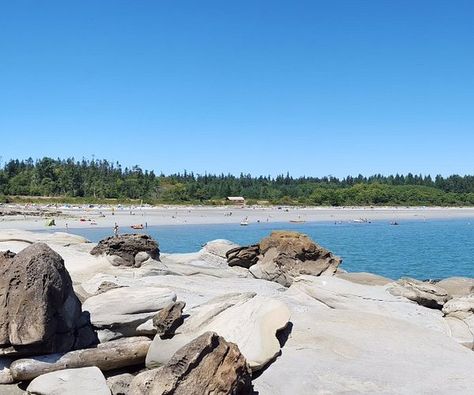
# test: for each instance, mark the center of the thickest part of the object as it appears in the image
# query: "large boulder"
(127, 311)
(127, 249)
(207, 365)
(81, 381)
(214, 252)
(250, 321)
(286, 255)
(39, 309)
(424, 293)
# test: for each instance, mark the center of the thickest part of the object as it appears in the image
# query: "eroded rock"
(39, 309)
(286, 255)
(168, 319)
(423, 293)
(127, 249)
(207, 365)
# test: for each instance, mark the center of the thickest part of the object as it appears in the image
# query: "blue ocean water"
(419, 249)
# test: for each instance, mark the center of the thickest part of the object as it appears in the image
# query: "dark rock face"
(128, 249)
(168, 319)
(39, 309)
(243, 256)
(207, 365)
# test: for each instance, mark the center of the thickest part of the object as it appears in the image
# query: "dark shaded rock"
(207, 365)
(127, 249)
(243, 256)
(168, 319)
(423, 293)
(39, 309)
(285, 255)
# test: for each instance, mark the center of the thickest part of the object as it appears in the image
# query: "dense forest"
(97, 180)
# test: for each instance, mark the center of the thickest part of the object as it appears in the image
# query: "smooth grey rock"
(123, 310)
(80, 381)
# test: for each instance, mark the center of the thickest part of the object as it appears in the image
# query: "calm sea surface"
(431, 249)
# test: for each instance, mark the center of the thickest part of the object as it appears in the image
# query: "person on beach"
(67, 227)
(116, 229)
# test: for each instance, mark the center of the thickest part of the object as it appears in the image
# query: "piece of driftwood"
(106, 356)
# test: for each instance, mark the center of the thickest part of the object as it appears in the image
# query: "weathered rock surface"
(70, 382)
(286, 255)
(423, 293)
(457, 286)
(364, 278)
(120, 384)
(39, 309)
(127, 249)
(248, 320)
(169, 318)
(107, 356)
(207, 365)
(243, 256)
(459, 314)
(122, 311)
(214, 252)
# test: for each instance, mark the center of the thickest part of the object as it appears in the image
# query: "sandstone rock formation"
(459, 314)
(124, 311)
(423, 293)
(248, 320)
(168, 319)
(120, 384)
(286, 255)
(207, 365)
(39, 309)
(127, 249)
(243, 256)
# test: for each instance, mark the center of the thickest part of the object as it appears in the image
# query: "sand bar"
(125, 216)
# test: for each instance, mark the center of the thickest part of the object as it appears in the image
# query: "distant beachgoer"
(67, 227)
(116, 229)
(146, 225)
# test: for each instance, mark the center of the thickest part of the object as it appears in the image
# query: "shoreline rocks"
(130, 250)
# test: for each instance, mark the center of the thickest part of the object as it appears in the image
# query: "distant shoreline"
(106, 216)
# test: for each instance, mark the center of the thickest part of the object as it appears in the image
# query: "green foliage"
(100, 181)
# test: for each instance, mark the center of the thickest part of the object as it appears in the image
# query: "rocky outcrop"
(286, 255)
(107, 356)
(214, 252)
(39, 309)
(71, 382)
(128, 249)
(423, 293)
(168, 319)
(127, 311)
(457, 286)
(250, 321)
(207, 365)
(459, 314)
(243, 256)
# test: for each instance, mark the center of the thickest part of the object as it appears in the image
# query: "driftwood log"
(106, 356)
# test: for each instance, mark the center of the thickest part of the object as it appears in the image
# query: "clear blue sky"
(310, 87)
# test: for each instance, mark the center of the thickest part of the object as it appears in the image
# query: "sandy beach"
(106, 216)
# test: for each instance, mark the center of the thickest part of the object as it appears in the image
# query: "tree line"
(96, 180)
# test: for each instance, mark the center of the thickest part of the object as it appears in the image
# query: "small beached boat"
(137, 226)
